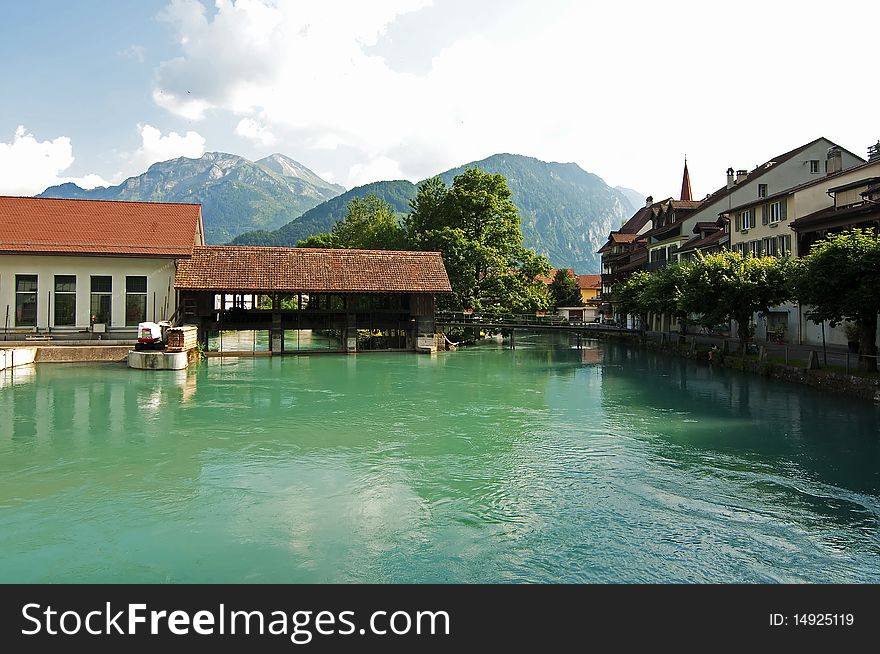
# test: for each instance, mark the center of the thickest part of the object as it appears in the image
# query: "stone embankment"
(866, 388)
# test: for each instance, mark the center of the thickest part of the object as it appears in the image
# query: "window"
(135, 300)
(744, 219)
(762, 190)
(102, 289)
(770, 249)
(785, 245)
(65, 300)
(755, 248)
(775, 212)
(814, 165)
(26, 300)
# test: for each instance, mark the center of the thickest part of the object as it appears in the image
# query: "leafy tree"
(564, 290)
(632, 296)
(729, 286)
(840, 280)
(370, 224)
(664, 291)
(668, 292)
(476, 227)
(319, 241)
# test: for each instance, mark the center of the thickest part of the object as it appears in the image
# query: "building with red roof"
(91, 268)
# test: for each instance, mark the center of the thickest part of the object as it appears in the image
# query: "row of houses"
(779, 208)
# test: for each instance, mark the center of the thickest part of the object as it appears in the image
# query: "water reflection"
(544, 463)
(834, 439)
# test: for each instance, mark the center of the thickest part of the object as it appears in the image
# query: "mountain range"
(236, 194)
(566, 212)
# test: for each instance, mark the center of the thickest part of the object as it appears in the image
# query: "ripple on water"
(524, 466)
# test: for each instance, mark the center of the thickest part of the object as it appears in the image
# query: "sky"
(98, 90)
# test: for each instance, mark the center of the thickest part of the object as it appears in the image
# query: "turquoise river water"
(542, 464)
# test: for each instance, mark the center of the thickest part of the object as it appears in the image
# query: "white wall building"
(81, 269)
(811, 161)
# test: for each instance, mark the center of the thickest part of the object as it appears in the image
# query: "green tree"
(661, 292)
(633, 296)
(564, 290)
(840, 280)
(729, 286)
(319, 241)
(667, 293)
(369, 224)
(476, 227)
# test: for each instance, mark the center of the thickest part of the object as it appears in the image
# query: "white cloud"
(564, 81)
(255, 131)
(156, 147)
(300, 67)
(375, 170)
(29, 166)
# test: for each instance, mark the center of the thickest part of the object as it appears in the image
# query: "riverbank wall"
(77, 353)
(852, 385)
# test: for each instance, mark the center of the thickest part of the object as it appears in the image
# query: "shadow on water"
(708, 409)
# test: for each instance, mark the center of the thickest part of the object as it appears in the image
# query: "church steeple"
(685, 183)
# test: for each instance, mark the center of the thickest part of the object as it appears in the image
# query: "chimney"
(833, 161)
(730, 181)
(741, 175)
(874, 152)
(649, 201)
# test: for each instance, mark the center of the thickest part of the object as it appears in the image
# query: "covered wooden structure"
(342, 293)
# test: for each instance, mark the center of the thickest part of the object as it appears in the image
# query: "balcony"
(651, 266)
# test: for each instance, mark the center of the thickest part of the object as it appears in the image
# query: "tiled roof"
(724, 191)
(698, 243)
(293, 270)
(638, 220)
(587, 282)
(102, 227)
(634, 225)
(549, 278)
(855, 213)
(803, 185)
(685, 204)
